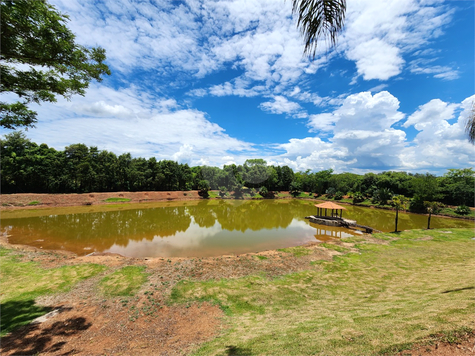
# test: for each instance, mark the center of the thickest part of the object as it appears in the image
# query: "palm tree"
(470, 126)
(319, 19)
(400, 203)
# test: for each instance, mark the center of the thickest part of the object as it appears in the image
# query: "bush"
(203, 187)
(330, 192)
(417, 205)
(462, 210)
(263, 191)
(358, 197)
(223, 191)
(295, 189)
(338, 196)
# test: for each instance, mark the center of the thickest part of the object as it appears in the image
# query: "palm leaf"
(319, 19)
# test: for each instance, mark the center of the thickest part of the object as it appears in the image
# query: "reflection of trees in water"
(101, 230)
(202, 215)
(104, 229)
(256, 215)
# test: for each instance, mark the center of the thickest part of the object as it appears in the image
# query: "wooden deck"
(337, 221)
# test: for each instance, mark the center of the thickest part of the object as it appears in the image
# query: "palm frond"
(319, 19)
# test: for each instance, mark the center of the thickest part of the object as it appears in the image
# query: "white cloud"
(379, 33)
(129, 121)
(421, 66)
(364, 139)
(281, 105)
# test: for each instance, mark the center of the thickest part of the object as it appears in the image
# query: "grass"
(451, 212)
(297, 251)
(123, 282)
(213, 193)
(34, 202)
(22, 282)
(335, 247)
(115, 200)
(385, 298)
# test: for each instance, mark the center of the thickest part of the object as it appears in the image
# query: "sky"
(216, 82)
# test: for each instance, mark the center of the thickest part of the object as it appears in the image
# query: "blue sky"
(218, 82)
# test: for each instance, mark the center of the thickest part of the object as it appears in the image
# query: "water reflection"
(201, 228)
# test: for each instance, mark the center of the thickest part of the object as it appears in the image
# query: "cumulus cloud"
(125, 121)
(364, 138)
(379, 33)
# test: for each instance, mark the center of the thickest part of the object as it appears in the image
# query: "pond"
(192, 228)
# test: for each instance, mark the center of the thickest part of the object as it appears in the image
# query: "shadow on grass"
(18, 313)
(232, 350)
(457, 290)
(32, 339)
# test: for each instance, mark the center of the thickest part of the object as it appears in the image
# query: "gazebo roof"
(329, 205)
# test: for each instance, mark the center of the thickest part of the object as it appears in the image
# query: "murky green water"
(196, 228)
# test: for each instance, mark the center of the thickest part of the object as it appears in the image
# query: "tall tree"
(40, 59)
(319, 19)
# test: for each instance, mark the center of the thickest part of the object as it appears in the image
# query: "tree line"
(27, 167)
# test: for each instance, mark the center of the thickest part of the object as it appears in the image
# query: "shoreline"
(28, 201)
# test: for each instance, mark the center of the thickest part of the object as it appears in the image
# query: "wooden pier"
(341, 222)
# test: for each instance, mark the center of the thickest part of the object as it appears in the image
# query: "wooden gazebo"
(334, 209)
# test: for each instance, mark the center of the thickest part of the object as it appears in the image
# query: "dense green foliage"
(27, 167)
(40, 59)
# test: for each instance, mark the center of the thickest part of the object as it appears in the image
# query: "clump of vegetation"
(34, 202)
(462, 210)
(116, 200)
(338, 195)
(223, 191)
(358, 197)
(295, 188)
(124, 282)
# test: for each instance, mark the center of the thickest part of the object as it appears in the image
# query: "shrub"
(338, 196)
(203, 187)
(358, 197)
(330, 192)
(263, 191)
(295, 189)
(462, 210)
(223, 191)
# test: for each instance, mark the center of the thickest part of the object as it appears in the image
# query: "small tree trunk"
(397, 211)
(428, 221)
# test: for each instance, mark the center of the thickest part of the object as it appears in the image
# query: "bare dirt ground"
(85, 323)
(33, 201)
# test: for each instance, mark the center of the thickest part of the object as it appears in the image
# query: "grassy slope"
(388, 295)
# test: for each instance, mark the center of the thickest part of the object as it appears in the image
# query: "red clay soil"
(32, 200)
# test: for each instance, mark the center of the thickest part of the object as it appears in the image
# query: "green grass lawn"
(377, 301)
(123, 282)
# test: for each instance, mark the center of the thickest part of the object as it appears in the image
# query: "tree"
(203, 187)
(34, 35)
(400, 203)
(319, 19)
(432, 207)
(470, 125)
